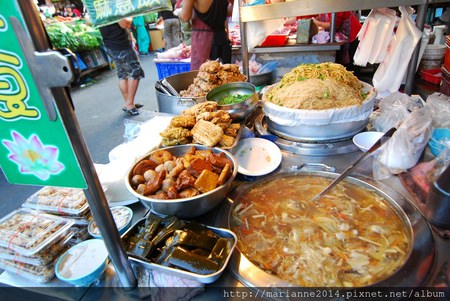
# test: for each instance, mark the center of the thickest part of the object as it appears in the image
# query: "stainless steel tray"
(208, 278)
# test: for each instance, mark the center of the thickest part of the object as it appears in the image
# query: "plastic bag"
(106, 12)
(405, 147)
(393, 110)
(439, 105)
(132, 129)
(375, 36)
(390, 73)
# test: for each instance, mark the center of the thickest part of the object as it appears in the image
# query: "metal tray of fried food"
(235, 142)
(203, 278)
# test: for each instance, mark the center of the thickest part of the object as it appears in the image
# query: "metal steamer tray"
(335, 146)
(417, 270)
(203, 278)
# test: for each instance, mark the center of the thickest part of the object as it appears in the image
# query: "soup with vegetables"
(351, 237)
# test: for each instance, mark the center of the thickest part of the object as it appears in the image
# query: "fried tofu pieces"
(204, 124)
(211, 75)
(183, 121)
(206, 133)
(207, 181)
(176, 136)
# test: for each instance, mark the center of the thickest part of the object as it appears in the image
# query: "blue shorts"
(127, 64)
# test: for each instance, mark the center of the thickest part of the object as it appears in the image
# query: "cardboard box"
(306, 29)
(156, 37)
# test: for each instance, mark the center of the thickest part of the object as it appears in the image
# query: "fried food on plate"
(206, 133)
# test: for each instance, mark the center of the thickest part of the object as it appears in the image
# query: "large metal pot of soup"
(359, 235)
(175, 104)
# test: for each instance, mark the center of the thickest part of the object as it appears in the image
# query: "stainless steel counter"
(227, 287)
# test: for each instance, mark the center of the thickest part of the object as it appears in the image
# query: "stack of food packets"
(31, 241)
(69, 203)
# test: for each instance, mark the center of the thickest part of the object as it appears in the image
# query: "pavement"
(98, 109)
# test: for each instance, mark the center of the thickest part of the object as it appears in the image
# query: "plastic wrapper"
(81, 233)
(405, 147)
(35, 273)
(390, 72)
(110, 11)
(439, 105)
(122, 216)
(59, 200)
(42, 257)
(82, 220)
(28, 231)
(375, 36)
(393, 109)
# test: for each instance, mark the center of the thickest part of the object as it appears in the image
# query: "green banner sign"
(33, 149)
(104, 12)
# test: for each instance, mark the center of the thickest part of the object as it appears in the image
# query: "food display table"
(227, 287)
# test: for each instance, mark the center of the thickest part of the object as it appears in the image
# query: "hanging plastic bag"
(106, 12)
(375, 36)
(405, 147)
(389, 75)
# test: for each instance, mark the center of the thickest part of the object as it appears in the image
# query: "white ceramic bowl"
(122, 217)
(365, 140)
(83, 264)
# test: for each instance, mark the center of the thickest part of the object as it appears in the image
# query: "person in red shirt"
(348, 25)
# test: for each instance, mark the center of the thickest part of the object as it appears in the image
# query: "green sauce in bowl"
(233, 99)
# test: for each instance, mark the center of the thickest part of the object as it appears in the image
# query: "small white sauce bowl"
(365, 140)
(83, 264)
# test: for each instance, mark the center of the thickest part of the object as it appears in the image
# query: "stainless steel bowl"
(261, 79)
(239, 110)
(175, 104)
(186, 207)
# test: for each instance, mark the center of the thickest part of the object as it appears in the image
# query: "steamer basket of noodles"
(318, 102)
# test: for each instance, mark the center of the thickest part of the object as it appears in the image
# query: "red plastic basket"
(433, 76)
(274, 40)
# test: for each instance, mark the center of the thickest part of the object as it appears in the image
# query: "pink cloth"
(202, 39)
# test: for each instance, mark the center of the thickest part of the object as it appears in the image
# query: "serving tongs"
(161, 88)
(349, 169)
(169, 87)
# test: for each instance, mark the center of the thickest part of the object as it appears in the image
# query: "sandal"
(136, 105)
(132, 111)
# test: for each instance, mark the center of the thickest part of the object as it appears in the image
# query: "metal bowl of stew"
(187, 207)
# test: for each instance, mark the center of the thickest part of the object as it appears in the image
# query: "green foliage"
(76, 37)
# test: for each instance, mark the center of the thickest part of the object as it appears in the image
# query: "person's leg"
(129, 71)
(132, 86)
(169, 37)
(176, 32)
(123, 86)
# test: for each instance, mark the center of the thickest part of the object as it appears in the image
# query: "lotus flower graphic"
(33, 157)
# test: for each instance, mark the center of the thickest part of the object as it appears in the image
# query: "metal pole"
(244, 46)
(412, 66)
(94, 193)
(333, 27)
